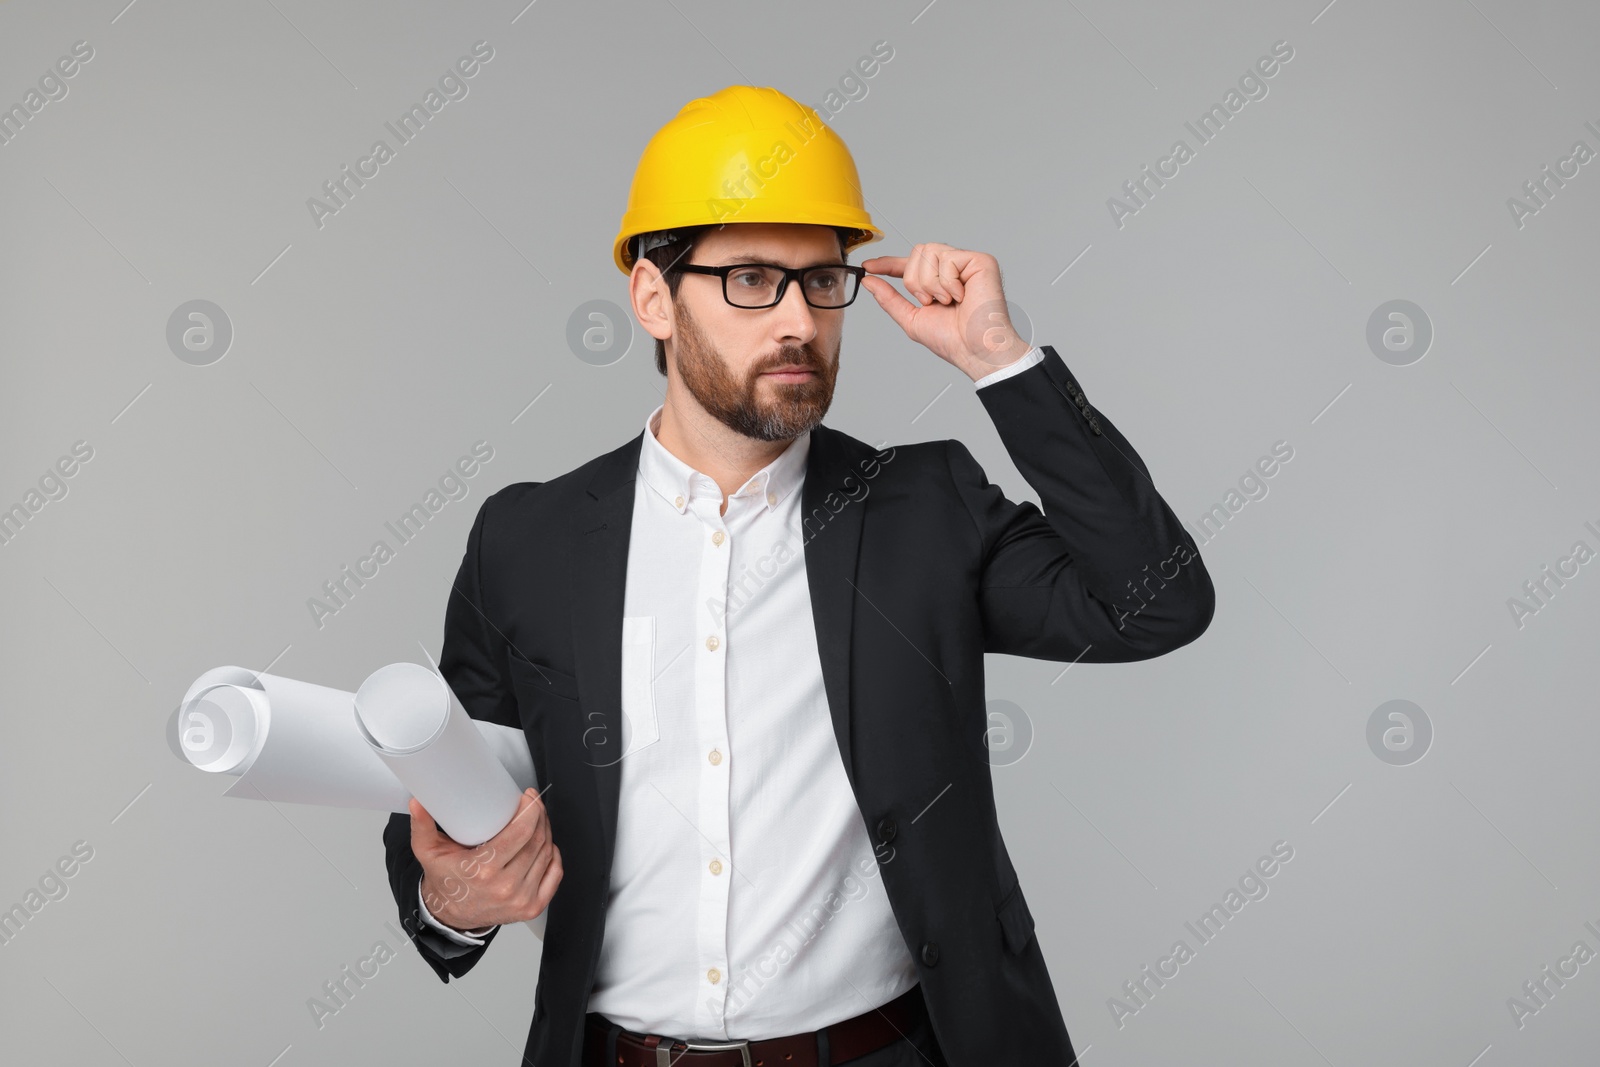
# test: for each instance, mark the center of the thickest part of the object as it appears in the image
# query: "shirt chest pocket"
(639, 725)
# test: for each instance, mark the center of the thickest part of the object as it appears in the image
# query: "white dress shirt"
(746, 901)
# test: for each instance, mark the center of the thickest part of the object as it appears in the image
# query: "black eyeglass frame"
(789, 274)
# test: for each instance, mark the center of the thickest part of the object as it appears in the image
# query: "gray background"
(1228, 314)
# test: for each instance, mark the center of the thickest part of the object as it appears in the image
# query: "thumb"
(421, 822)
(888, 297)
(528, 801)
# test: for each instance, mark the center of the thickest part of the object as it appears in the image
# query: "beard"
(793, 407)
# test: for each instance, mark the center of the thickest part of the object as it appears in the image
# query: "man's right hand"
(509, 878)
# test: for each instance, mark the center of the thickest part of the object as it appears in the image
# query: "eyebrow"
(731, 258)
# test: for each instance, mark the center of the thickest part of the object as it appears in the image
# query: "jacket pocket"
(541, 678)
(1015, 920)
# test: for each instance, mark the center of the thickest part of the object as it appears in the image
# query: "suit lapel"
(600, 575)
(832, 532)
(831, 522)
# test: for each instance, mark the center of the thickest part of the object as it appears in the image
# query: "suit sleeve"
(1107, 573)
(473, 662)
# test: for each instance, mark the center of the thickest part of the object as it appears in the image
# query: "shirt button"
(714, 976)
(678, 502)
(772, 498)
(716, 866)
(715, 756)
(712, 642)
(718, 537)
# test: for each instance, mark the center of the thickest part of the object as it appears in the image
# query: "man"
(747, 649)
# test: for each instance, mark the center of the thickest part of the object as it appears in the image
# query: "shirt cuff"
(1032, 356)
(468, 937)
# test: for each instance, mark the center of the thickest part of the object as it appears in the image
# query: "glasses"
(762, 285)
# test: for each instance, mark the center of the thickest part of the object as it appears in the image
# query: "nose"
(794, 315)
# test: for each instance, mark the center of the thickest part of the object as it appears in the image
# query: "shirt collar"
(678, 483)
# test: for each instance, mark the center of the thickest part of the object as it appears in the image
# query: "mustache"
(798, 357)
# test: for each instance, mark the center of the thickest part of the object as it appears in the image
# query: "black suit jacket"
(917, 566)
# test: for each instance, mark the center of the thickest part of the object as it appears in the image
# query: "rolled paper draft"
(295, 742)
(412, 720)
(419, 730)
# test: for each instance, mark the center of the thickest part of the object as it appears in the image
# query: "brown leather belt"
(867, 1032)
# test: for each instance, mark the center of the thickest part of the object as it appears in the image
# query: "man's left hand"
(962, 318)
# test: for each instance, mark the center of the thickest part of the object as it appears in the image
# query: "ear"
(651, 299)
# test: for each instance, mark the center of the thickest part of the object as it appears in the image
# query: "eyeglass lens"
(755, 286)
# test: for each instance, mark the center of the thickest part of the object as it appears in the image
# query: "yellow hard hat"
(744, 154)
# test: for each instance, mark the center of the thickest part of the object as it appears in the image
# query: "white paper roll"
(221, 727)
(416, 726)
(299, 743)
(295, 742)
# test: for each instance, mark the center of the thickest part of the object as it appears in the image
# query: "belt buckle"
(709, 1046)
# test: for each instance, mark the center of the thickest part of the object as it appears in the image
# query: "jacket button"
(886, 829)
(930, 953)
(1094, 424)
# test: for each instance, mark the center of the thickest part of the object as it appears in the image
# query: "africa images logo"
(452, 85)
(1211, 122)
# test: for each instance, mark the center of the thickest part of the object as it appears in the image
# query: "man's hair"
(668, 248)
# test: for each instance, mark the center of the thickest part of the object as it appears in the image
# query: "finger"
(929, 272)
(514, 836)
(538, 838)
(922, 276)
(911, 276)
(424, 831)
(893, 266)
(551, 880)
(534, 858)
(536, 867)
(950, 276)
(888, 297)
(552, 876)
(947, 266)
